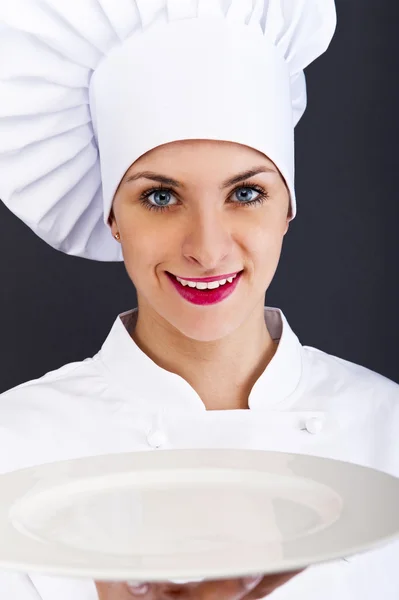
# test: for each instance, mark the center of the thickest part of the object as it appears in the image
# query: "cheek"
(264, 239)
(264, 250)
(144, 245)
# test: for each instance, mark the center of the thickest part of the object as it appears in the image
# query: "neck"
(222, 372)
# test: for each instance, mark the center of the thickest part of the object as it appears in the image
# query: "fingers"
(225, 589)
(114, 590)
(270, 583)
(251, 588)
(139, 589)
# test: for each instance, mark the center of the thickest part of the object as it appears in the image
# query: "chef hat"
(88, 86)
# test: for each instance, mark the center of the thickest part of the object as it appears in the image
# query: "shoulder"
(353, 394)
(326, 371)
(71, 378)
(361, 408)
(43, 417)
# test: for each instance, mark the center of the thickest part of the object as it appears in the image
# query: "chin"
(206, 330)
(204, 336)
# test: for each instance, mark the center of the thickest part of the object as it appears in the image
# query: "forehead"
(214, 156)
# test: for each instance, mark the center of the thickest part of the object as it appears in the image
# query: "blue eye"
(162, 196)
(247, 190)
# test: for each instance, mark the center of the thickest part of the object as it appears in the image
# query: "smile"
(202, 285)
(205, 293)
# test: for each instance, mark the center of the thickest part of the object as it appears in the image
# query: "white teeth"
(200, 285)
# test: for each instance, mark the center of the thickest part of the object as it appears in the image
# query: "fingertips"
(269, 583)
(249, 583)
(137, 588)
(118, 590)
(226, 589)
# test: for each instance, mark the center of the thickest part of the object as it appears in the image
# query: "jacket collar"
(131, 369)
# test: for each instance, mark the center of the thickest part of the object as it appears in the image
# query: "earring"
(117, 236)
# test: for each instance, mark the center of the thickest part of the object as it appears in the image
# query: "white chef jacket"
(305, 401)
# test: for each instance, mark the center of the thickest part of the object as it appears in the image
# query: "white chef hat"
(88, 86)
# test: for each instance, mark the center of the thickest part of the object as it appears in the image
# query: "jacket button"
(156, 438)
(314, 425)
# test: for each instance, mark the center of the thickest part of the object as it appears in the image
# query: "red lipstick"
(205, 297)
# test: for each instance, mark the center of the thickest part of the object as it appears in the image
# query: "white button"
(314, 425)
(156, 438)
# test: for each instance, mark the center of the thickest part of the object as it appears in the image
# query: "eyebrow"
(225, 184)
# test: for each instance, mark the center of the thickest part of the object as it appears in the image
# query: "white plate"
(189, 514)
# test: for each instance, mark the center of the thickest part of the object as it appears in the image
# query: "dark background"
(337, 281)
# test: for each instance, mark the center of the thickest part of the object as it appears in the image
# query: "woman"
(191, 105)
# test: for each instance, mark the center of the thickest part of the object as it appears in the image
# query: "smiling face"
(201, 226)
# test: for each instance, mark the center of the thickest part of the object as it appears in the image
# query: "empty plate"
(189, 514)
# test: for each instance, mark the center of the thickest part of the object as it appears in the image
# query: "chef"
(160, 133)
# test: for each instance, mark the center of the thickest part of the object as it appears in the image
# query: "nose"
(208, 239)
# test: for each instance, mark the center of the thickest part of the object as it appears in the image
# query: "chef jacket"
(305, 401)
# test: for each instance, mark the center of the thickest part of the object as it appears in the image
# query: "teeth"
(200, 285)
(212, 285)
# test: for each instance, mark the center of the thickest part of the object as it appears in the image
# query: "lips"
(207, 296)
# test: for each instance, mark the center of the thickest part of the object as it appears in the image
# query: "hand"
(223, 589)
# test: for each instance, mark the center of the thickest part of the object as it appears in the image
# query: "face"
(201, 227)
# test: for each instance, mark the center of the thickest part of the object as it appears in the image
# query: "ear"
(112, 222)
(289, 216)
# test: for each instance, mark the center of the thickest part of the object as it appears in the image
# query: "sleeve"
(13, 585)
(17, 586)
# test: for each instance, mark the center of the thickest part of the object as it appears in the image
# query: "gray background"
(337, 281)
